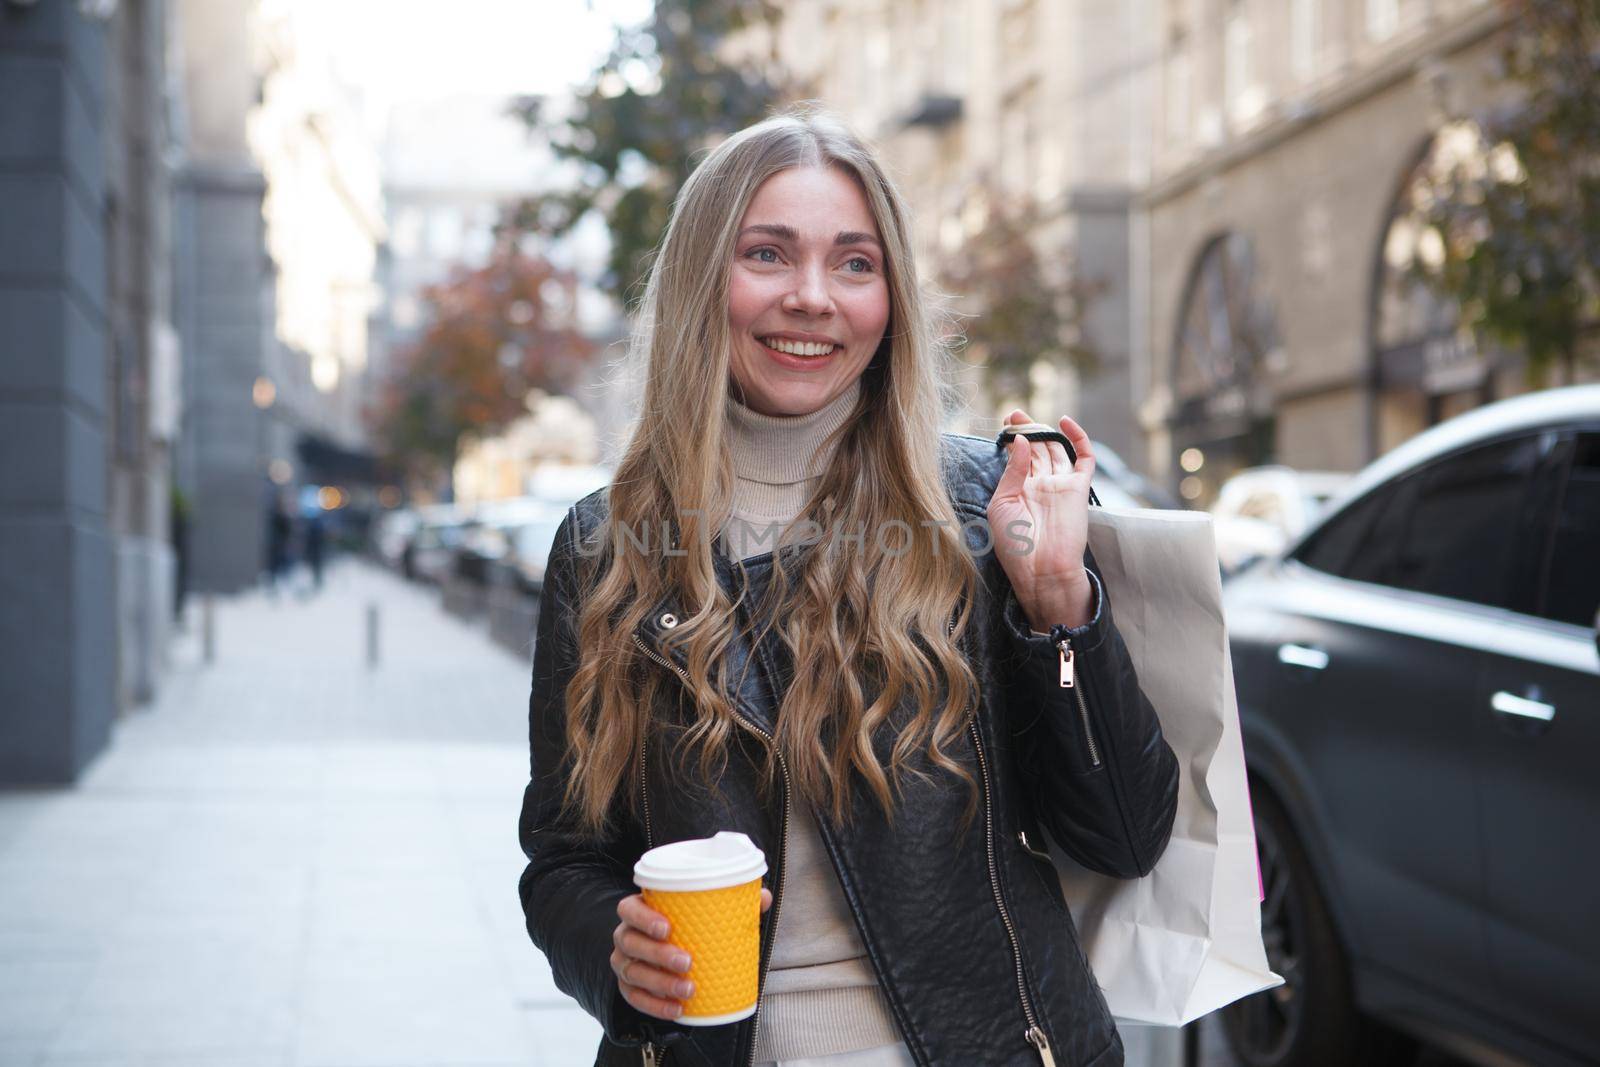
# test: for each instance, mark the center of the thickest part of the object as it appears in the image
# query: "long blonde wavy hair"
(865, 627)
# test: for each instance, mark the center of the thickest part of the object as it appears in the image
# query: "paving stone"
(288, 859)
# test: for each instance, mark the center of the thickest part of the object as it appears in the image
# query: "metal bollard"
(208, 628)
(372, 635)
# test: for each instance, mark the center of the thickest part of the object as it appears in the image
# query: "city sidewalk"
(291, 859)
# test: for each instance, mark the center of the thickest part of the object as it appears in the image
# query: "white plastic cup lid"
(727, 859)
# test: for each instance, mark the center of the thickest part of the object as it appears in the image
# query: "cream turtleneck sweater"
(821, 996)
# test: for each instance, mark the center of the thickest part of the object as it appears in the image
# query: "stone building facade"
(89, 377)
(280, 226)
(225, 305)
(145, 390)
(1235, 169)
(1280, 325)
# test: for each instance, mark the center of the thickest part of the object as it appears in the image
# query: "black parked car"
(1419, 689)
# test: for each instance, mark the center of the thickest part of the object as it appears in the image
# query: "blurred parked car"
(515, 578)
(392, 531)
(430, 552)
(488, 538)
(1260, 510)
(480, 546)
(530, 550)
(515, 534)
(1419, 688)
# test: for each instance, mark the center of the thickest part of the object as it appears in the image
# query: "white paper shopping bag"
(1185, 939)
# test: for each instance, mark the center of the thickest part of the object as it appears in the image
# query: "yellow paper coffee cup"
(709, 888)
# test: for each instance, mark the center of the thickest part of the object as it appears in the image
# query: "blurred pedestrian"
(280, 528)
(786, 293)
(315, 537)
(178, 511)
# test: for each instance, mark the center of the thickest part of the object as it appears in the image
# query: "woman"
(814, 619)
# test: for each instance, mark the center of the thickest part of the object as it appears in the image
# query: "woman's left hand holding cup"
(648, 967)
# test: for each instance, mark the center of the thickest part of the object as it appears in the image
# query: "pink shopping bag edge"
(1261, 889)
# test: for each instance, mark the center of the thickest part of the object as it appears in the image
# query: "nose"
(810, 294)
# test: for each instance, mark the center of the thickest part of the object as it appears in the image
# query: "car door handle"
(1301, 656)
(1510, 704)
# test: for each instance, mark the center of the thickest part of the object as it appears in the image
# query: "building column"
(58, 656)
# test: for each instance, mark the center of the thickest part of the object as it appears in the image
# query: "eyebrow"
(789, 233)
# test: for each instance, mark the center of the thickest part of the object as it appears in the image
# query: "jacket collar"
(750, 669)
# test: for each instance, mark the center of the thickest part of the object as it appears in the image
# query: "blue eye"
(757, 251)
(862, 259)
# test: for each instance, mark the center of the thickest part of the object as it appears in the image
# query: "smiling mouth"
(799, 349)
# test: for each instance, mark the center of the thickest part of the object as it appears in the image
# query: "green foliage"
(662, 95)
(1521, 217)
(1020, 313)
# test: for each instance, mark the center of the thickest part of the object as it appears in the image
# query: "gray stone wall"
(1104, 404)
(57, 585)
(1313, 195)
(225, 321)
(88, 379)
(143, 367)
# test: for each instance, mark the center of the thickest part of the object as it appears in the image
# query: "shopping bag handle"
(1034, 431)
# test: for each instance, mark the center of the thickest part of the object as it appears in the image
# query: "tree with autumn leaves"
(1019, 312)
(664, 93)
(492, 334)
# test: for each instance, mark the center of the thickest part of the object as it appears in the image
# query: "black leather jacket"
(973, 944)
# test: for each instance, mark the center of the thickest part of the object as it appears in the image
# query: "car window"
(1468, 518)
(1573, 583)
(1449, 529)
(1342, 547)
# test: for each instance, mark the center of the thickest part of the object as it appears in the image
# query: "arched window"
(1227, 341)
(1425, 369)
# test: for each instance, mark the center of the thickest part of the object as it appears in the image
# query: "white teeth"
(797, 348)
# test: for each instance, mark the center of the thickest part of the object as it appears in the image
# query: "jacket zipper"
(652, 1056)
(1022, 836)
(1034, 1034)
(777, 898)
(1069, 680)
(644, 795)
